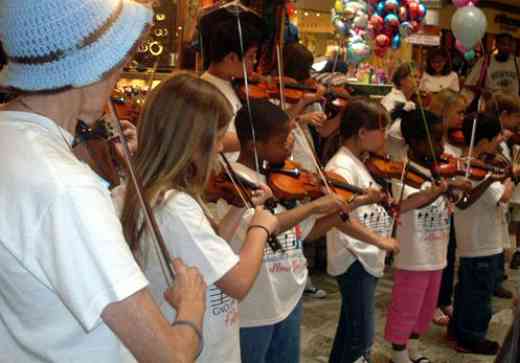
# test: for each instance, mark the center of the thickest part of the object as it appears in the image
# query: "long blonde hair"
(177, 134)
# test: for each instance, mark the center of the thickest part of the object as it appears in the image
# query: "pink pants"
(414, 300)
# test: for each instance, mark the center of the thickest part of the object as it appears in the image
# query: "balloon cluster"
(387, 22)
(350, 18)
(469, 26)
(394, 20)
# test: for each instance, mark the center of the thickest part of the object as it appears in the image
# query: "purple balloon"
(462, 3)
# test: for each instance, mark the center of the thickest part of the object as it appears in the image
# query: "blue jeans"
(355, 333)
(472, 307)
(275, 343)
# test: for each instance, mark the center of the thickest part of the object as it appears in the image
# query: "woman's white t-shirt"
(189, 236)
(479, 226)
(435, 84)
(423, 233)
(343, 250)
(280, 283)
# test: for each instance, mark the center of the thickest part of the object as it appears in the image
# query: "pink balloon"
(462, 3)
(460, 47)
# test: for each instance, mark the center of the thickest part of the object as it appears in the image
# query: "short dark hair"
(266, 118)
(403, 71)
(298, 61)
(225, 39)
(434, 53)
(413, 126)
(488, 127)
(363, 113)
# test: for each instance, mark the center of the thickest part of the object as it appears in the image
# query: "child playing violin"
(186, 118)
(507, 108)
(423, 234)
(271, 313)
(478, 223)
(226, 60)
(449, 106)
(357, 264)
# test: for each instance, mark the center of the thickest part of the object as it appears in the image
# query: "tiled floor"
(320, 320)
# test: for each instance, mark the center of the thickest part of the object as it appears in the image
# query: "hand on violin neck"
(261, 195)
(330, 203)
(130, 133)
(316, 119)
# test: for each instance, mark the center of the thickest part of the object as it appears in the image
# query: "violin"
(220, 186)
(382, 167)
(425, 97)
(291, 182)
(293, 91)
(96, 147)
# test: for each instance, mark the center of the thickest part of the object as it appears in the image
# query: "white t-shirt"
(343, 250)
(423, 233)
(279, 285)
(189, 236)
(227, 89)
(452, 150)
(479, 227)
(500, 75)
(435, 84)
(301, 151)
(394, 142)
(63, 257)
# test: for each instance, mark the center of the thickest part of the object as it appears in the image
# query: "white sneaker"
(315, 293)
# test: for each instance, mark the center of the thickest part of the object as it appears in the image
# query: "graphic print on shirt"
(377, 220)
(220, 304)
(291, 258)
(433, 221)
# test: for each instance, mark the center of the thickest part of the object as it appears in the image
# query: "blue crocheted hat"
(51, 44)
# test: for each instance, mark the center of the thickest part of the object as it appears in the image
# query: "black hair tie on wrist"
(271, 240)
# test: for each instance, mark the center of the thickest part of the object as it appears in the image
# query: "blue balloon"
(469, 55)
(396, 41)
(392, 20)
(422, 10)
(380, 8)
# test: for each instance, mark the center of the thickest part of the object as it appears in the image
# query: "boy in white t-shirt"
(271, 313)
(423, 234)
(478, 222)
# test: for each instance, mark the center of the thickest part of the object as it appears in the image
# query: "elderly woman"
(71, 289)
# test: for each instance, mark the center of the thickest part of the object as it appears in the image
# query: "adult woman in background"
(438, 74)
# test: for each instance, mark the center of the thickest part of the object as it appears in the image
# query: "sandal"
(439, 318)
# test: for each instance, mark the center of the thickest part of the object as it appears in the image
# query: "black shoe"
(484, 347)
(503, 293)
(515, 261)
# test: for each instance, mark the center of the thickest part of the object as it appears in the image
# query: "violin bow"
(248, 202)
(147, 209)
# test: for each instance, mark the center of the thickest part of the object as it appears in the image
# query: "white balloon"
(469, 25)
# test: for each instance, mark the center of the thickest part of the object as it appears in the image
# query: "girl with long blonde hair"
(180, 132)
